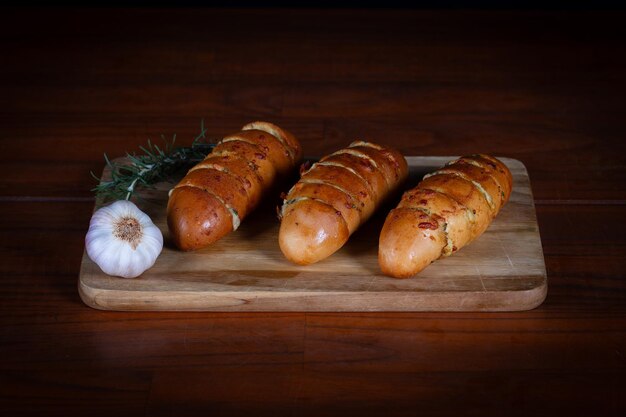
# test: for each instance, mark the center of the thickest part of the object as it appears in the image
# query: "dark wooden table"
(547, 88)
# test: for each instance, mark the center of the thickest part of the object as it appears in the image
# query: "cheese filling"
(469, 214)
(448, 249)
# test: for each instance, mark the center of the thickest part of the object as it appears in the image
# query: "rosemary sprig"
(154, 165)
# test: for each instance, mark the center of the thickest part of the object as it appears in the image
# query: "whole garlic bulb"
(122, 240)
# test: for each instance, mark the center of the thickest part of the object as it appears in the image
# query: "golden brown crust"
(485, 184)
(397, 161)
(292, 144)
(227, 185)
(276, 152)
(392, 163)
(339, 199)
(466, 194)
(250, 152)
(410, 243)
(362, 167)
(196, 218)
(346, 180)
(458, 220)
(311, 230)
(495, 168)
(451, 207)
(334, 197)
(239, 167)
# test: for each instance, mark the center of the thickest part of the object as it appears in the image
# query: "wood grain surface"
(504, 270)
(544, 87)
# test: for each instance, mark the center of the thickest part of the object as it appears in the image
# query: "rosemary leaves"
(153, 165)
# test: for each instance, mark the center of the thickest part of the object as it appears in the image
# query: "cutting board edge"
(322, 301)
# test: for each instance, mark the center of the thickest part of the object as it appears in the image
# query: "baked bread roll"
(334, 197)
(218, 193)
(447, 210)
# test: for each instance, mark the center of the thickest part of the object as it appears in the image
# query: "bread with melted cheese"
(447, 210)
(334, 197)
(220, 191)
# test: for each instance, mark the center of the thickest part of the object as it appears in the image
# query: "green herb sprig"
(154, 165)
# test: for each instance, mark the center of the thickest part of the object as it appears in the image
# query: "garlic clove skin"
(122, 240)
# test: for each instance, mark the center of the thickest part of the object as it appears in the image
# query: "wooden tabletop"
(547, 88)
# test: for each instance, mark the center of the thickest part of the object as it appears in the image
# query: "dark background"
(544, 85)
(339, 4)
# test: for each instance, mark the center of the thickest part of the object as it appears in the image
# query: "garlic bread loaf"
(334, 197)
(219, 192)
(447, 210)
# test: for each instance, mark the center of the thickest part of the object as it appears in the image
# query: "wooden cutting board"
(503, 270)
